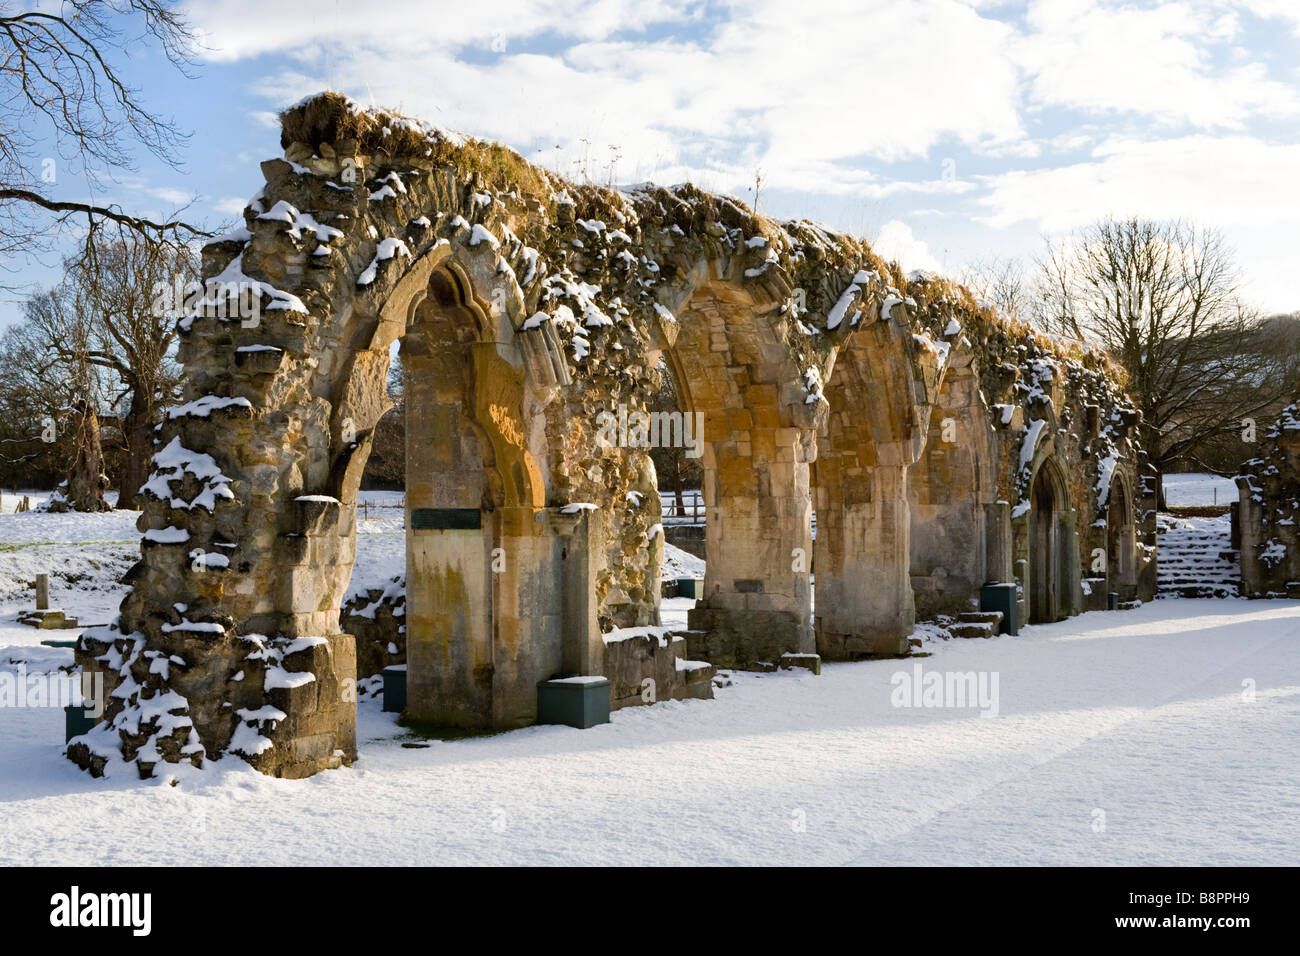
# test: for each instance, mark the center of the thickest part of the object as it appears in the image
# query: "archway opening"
(875, 427)
(474, 552)
(1121, 542)
(384, 475)
(679, 471)
(949, 530)
(1045, 571)
(757, 600)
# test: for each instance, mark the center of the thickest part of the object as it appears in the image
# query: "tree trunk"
(1155, 455)
(137, 431)
(84, 489)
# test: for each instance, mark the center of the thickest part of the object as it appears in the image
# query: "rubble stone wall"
(1269, 513)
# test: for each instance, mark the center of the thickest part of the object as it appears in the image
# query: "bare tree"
(110, 328)
(36, 395)
(1163, 299)
(86, 482)
(1268, 351)
(63, 333)
(386, 466)
(134, 338)
(65, 96)
(1053, 300)
(674, 468)
(1002, 283)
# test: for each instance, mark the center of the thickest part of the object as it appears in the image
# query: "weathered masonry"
(1269, 513)
(941, 446)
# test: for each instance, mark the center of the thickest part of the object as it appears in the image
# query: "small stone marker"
(43, 617)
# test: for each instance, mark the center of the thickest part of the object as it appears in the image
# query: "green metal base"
(574, 701)
(690, 588)
(75, 721)
(1001, 597)
(395, 688)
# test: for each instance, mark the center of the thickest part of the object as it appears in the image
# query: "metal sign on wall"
(446, 519)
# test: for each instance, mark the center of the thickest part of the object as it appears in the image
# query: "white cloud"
(1244, 186)
(1286, 10)
(807, 98)
(821, 101)
(233, 30)
(231, 205)
(896, 243)
(177, 197)
(1155, 61)
(1237, 180)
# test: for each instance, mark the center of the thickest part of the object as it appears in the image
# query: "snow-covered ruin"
(941, 446)
(1269, 513)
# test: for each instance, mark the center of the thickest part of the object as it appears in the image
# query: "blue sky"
(946, 130)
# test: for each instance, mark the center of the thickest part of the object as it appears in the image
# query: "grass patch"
(21, 545)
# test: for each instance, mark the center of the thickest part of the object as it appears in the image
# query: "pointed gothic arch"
(1052, 552)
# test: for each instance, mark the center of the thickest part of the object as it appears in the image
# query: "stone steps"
(1196, 561)
(1200, 591)
(972, 624)
(811, 662)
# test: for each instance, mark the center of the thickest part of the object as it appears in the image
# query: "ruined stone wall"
(528, 310)
(376, 619)
(1039, 400)
(1269, 513)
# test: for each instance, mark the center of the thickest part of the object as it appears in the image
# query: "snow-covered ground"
(1192, 489)
(680, 564)
(86, 555)
(1165, 735)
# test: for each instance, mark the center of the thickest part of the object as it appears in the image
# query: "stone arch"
(953, 497)
(437, 294)
(879, 393)
(256, 544)
(1268, 512)
(1121, 539)
(499, 591)
(1051, 552)
(732, 367)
